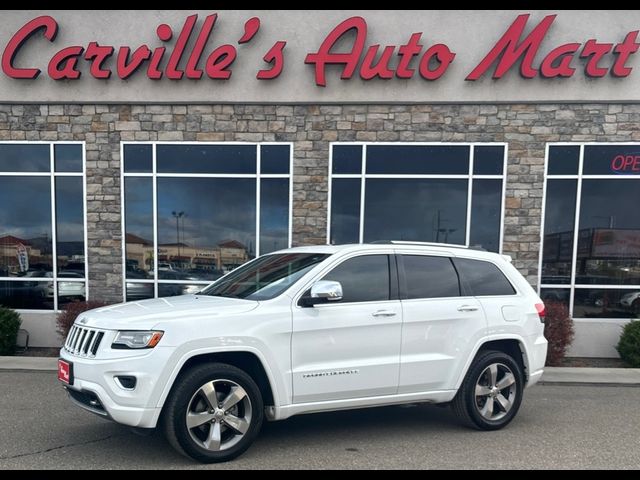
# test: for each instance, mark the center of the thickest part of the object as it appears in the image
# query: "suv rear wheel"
(214, 413)
(491, 392)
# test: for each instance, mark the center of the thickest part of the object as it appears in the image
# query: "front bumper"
(96, 389)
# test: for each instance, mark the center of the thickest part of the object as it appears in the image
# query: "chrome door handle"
(467, 308)
(384, 313)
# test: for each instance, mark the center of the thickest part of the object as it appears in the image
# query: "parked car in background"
(631, 301)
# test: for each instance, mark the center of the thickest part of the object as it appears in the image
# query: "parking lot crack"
(47, 450)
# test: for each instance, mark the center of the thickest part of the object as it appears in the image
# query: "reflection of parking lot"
(167, 272)
(597, 302)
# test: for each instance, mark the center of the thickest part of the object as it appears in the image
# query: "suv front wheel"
(491, 392)
(214, 413)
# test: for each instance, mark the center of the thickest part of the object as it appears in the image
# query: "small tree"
(629, 344)
(71, 310)
(558, 330)
(9, 325)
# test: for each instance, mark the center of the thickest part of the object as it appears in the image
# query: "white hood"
(147, 313)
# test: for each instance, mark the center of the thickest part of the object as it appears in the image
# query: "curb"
(591, 376)
(41, 364)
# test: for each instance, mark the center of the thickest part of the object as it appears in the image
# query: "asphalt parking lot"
(557, 427)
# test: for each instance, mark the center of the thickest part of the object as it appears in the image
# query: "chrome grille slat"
(72, 337)
(83, 341)
(87, 341)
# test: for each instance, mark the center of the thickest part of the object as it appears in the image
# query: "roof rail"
(431, 244)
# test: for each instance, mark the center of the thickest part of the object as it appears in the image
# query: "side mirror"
(324, 291)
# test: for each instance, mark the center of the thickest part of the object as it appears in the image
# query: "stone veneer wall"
(525, 127)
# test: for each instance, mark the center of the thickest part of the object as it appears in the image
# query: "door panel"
(343, 351)
(350, 348)
(441, 326)
(437, 340)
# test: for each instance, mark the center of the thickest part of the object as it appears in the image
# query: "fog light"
(127, 382)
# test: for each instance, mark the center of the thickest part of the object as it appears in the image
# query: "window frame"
(154, 175)
(578, 177)
(52, 174)
(470, 177)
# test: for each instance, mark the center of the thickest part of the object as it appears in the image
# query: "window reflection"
(345, 211)
(25, 226)
(486, 206)
(68, 157)
(606, 303)
(609, 235)
(418, 159)
(70, 225)
(488, 160)
(274, 214)
(563, 159)
(25, 157)
(26, 295)
(429, 210)
(206, 158)
(417, 192)
(206, 226)
(27, 232)
(206, 217)
(347, 159)
(139, 227)
(275, 159)
(559, 220)
(557, 295)
(139, 291)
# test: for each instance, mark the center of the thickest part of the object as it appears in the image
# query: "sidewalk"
(552, 375)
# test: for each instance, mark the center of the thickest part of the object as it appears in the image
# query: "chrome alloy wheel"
(219, 415)
(495, 392)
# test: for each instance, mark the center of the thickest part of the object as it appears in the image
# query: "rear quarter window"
(482, 278)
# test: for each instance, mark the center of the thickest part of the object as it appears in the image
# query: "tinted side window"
(363, 279)
(430, 277)
(483, 278)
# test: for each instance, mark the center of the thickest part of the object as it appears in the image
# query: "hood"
(147, 313)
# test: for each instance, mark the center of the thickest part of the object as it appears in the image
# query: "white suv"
(313, 329)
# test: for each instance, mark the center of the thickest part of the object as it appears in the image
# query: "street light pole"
(177, 216)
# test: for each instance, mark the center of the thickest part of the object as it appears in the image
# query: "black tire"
(467, 406)
(174, 421)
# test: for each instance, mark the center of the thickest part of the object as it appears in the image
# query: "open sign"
(626, 164)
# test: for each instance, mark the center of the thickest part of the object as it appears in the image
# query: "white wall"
(595, 338)
(41, 328)
(469, 34)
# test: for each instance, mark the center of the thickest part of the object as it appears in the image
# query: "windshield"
(266, 277)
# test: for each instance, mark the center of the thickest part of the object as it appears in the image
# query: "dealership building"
(146, 153)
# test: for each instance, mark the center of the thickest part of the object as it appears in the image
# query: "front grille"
(83, 341)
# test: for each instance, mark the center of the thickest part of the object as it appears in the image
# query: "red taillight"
(541, 311)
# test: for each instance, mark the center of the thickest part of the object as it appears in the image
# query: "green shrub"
(629, 344)
(558, 330)
(68, 315)
(9, 325)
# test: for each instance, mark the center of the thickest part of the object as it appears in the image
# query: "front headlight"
(136, 339)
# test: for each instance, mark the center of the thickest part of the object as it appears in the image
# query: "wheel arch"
(246, 359)
(514, 346)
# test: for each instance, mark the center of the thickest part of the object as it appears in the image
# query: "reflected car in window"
(631, 301)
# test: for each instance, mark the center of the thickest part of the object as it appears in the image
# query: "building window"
(444, 193)
(195, 211)
(42, 225)
(591, 239)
